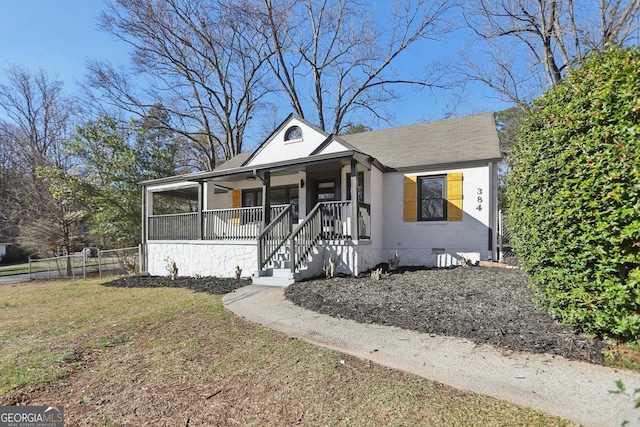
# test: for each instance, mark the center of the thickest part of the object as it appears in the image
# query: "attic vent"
(294, 132)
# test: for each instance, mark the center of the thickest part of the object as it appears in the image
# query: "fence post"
(84, 265)
(140, 258)
(99, 263)
(29, 268)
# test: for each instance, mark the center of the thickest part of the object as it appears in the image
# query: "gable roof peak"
(261, 153)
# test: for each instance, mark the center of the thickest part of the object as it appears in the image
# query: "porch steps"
(274, 277)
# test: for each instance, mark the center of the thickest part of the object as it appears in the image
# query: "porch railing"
(218, 224)
(232, 224)
(364, 221)
(236, 223)
(247, 223)
(305, 236)
(274, 236)
(336, 220)
(327, 221)
(184, 226)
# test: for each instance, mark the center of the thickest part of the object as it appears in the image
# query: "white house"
(305, 200)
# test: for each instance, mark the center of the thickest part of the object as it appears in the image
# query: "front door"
(326, 191)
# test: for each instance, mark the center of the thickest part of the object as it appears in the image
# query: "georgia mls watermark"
(31, 416)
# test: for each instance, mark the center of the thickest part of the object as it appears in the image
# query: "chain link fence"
(506, 253)
(111, 262)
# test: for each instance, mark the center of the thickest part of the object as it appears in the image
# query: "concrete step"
(272, 281)
(282, 272)
(274, 277)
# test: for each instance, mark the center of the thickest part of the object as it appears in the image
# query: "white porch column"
(266, 199)
(145, 225)
(200, 209)
(354, 200)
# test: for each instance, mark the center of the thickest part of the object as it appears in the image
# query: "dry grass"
(114, 356)
(622, 356)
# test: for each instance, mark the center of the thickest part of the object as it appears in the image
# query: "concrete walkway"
(574, 390)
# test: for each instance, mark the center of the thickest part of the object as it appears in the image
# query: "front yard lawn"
(167, 355)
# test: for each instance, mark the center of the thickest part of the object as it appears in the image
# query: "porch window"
(251, 197)
(360, 189)
(285, 196)
(432, 205)
(327, 191)
(279, 196)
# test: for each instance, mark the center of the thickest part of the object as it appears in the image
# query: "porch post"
(266, 199)
(354, 200)
(200, 209)
(145, 231)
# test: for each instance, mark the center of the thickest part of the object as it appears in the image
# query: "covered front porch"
(278, 216)
(334, 220)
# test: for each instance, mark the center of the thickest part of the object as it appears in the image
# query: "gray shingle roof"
(235, 162)
(458, 140)
(445, 142)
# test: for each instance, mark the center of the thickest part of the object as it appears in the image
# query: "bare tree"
(38, 118)
(197, 59)
(525, 46)
(333, 53)
(8, 181)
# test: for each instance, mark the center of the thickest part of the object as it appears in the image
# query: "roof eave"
(275, 166)
(445, 165)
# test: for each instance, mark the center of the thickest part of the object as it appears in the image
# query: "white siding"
(439, 243)
(202, 258)
(333, 147)
(375, 253)
(277, 149)
(223, 200)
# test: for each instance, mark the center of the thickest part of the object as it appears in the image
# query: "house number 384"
(479, 199)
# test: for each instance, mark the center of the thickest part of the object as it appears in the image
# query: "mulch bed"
(486, 305)
(211, 285)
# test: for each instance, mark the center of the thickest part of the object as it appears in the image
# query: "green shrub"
(574, 196)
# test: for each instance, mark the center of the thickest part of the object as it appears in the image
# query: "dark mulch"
(486, 305)
(211, 285)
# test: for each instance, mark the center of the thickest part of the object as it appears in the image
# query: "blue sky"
(55, 35)
(60, 35)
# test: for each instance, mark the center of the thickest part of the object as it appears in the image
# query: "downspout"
(493, 217)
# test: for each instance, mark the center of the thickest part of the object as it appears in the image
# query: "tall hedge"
(574, 196)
